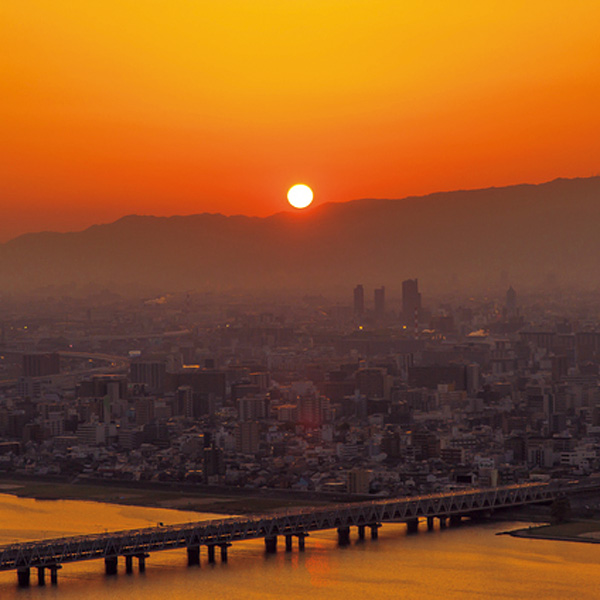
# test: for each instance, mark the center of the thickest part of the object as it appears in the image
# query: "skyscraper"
(149, 370)
(411, 298)
(379, 297)
(511, 302)
(359, 300)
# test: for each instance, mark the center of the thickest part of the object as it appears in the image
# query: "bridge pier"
(23, 576)
(110, 565)
(54, 574)
(193, 554)
(343, 536)
(412, 525)
(375, 530)
(288, 543)
(128, 564)
(301, 538)
(271, 544)
(142, 562)
(430, 523)
(224, 547)
(41, 575)
(455, 520)
(361, 532)
(442, 522)
(211, 553)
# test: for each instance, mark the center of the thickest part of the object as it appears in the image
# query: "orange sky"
(112, 107)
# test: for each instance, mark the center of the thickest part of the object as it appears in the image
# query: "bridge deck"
(139, 542)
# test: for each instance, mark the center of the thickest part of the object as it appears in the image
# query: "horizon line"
(291, 211)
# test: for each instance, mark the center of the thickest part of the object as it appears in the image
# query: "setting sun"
(300, 196)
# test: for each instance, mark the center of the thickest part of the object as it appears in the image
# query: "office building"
(411, 298)
(379, 297)
(359, 300)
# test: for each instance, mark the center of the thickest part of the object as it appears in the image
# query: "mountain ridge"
(294, 214)
(466, 236)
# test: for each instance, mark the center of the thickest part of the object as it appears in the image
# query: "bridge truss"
(52, 553)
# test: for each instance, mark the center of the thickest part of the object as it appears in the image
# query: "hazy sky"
(111, 107)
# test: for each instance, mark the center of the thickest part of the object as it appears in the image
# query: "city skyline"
(318, 271)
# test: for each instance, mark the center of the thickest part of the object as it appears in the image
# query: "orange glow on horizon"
(111, 108)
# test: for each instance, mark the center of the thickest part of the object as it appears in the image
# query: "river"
(469, 561)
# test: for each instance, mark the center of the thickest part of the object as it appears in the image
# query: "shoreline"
(583, 531)
(247, 501)
(148, 495)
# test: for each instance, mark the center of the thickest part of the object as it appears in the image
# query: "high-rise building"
(373, 383)
(313, 410)
(151, 371)
(473, 379)
(191, 404)
(288, 413)
(144, 411)
(214, 463)
(511, 302)
(184, 402)
(411, 298)
(253, 408)
(426, 444)
(29, 387)
(247, 437)
(359, 300)
(379, 297)
(359, 481)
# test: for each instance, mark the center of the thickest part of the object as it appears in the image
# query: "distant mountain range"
(523, 234)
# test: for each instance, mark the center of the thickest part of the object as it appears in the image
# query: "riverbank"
(157, 497)
(586, 531)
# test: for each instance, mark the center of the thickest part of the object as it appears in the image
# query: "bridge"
(50, 554)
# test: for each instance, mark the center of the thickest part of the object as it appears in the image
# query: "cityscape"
(299, 299)
(372, 396)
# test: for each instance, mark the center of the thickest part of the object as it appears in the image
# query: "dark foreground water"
(466, 562)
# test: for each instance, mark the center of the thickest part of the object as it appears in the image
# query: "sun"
(300, 195)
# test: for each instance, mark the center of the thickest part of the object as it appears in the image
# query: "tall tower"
(379, 297)
(511, 302)
(411, 298)
(359, 300)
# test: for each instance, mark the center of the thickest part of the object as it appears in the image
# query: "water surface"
(455, 563)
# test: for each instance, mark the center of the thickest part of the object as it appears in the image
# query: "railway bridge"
(51, 554)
